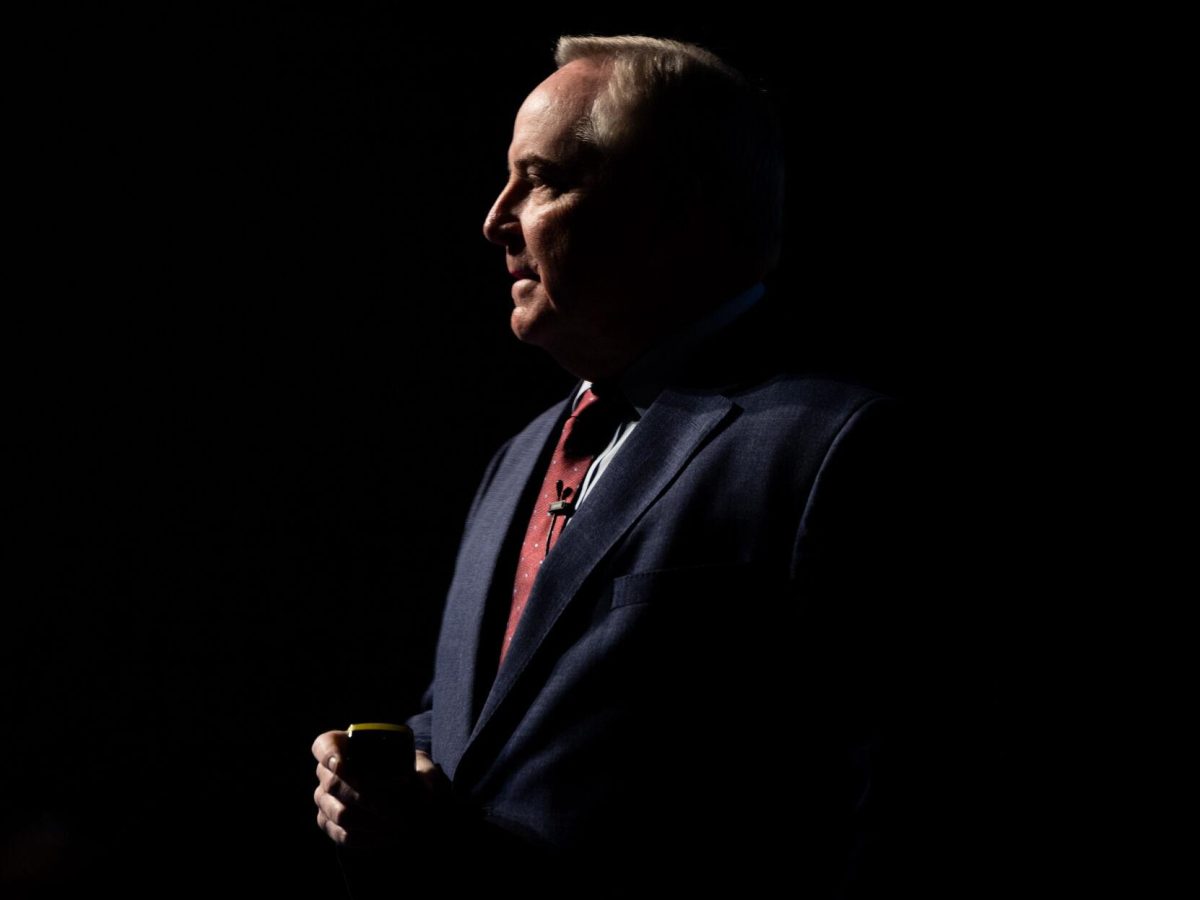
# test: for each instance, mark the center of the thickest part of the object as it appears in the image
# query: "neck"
(675, 314)
(642, 375)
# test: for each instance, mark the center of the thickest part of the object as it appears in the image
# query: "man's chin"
(539, 332)
(528, 327)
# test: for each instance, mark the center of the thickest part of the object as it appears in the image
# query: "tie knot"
(591, 425)
(589, 398)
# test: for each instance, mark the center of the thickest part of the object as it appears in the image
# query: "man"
(658, 662)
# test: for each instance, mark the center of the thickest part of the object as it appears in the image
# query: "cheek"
(581, 253)
(553, 246)
(552, 233)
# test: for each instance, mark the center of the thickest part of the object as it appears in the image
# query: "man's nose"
(500, 225)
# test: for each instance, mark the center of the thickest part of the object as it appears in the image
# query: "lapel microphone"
(563, 506)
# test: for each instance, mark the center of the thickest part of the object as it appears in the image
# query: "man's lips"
(519, 274)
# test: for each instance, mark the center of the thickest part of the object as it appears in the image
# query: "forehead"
(546, 122)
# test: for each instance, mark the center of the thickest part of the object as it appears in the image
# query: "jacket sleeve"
(851, 573)
(876, 550)
(422, 723)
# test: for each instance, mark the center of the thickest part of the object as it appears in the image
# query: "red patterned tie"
(554, 505)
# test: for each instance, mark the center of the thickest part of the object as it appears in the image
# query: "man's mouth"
(519, 274)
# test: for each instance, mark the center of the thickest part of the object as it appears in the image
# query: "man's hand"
(370, 812)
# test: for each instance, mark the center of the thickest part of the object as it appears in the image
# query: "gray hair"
(709, 134)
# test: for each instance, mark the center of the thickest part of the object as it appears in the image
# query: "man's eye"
(542, 180)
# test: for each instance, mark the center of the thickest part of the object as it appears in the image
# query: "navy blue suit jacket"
(692, 696)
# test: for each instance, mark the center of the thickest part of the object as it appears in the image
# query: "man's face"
(579, 251)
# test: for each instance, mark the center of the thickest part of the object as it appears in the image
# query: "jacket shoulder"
(791, 394)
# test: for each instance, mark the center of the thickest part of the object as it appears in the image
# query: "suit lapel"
(664, 441)
(482, 544)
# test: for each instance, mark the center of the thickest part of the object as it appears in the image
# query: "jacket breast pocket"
(720, 583)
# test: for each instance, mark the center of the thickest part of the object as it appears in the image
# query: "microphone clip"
(564, 506)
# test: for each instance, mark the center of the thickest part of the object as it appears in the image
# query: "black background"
(260, 355)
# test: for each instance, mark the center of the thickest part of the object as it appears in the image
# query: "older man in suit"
(659, 663)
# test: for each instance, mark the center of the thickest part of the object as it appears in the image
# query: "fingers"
(344, 816)
(349, 817)
(329, 747)
(338, 803)
(335, 832)
(329, 782)
(348, 837)
(354, 814)
(423, 763)
(430, 777)
(356, 825)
